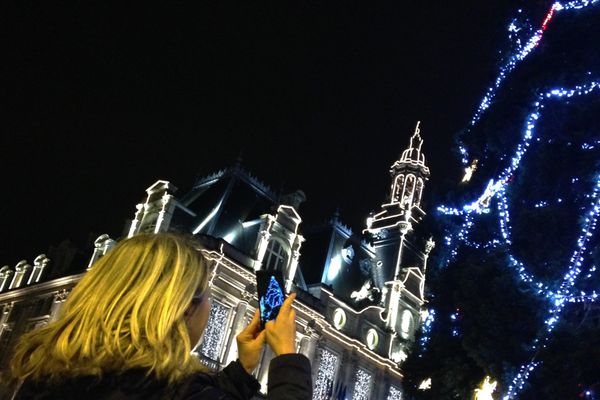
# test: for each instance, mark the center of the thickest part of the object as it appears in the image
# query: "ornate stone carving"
(61, 296)
(246, 296)
(429, 245)
(7, 308)
(309, 329)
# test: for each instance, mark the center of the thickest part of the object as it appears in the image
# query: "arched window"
(409, 189)
(398, 186)
(275, 257)
(406, 324)
(418, 191)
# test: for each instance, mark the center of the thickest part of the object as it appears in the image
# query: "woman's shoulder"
(200, 386)
(133, 384)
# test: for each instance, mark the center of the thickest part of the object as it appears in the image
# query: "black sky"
(101, 102)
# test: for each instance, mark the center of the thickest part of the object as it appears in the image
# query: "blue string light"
(521, 52)
(525, 40)
(496, 189)
(426, 331)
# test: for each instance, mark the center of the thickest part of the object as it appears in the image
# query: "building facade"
(360, 296)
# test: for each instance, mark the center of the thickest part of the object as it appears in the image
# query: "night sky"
(101, 102)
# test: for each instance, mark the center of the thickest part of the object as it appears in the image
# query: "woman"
(127, 329)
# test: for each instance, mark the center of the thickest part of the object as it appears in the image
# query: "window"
(328, 363)
(362, 385)
(406, 324)
(394, 393)
(398, 187)
(275, 257)
(372, 339)
(214, 335)
(339, 318)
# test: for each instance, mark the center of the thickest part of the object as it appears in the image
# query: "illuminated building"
(360, 295)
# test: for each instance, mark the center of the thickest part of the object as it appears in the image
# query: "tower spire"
(409, 173)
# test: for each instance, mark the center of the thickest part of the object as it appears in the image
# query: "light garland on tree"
(497, 189)
(519, 55)
(426, 330)
(563, 294)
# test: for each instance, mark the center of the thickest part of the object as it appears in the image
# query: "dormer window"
(276, 257)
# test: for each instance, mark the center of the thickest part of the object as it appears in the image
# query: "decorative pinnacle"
(412, 155)
(417, 135)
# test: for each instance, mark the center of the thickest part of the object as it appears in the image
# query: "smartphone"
(269, 285)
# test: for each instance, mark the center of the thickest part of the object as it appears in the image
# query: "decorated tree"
(514, 288)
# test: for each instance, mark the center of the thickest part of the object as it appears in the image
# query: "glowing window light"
(328, 363)
(362, 385)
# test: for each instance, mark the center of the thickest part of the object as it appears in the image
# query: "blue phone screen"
(271, 297)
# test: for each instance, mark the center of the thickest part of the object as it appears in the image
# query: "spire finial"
(240, 159)
(417, 135)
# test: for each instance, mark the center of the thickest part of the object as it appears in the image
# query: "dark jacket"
(289, 378)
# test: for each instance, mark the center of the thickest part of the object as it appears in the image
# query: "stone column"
(21, 270)
(165, 214)
(292, 270)
(347, 371)
(137, 219)
(4, 316)
(261, 249)
(237, 325)
(57, 303)
(381, 385)
(308, 344)
(263, 369)
(39, 265)
(101, 246)
(5, 274)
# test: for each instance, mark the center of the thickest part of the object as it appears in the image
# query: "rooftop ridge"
(240, 172)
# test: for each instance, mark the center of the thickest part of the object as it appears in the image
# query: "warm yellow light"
(425, 385)
(484, 392)
(469, 171)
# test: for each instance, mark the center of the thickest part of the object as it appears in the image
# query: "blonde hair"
(126, 312)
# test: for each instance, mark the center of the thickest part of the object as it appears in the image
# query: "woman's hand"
(250, 343)
(281, 333)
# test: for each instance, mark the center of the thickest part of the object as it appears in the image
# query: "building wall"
(234, 303)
